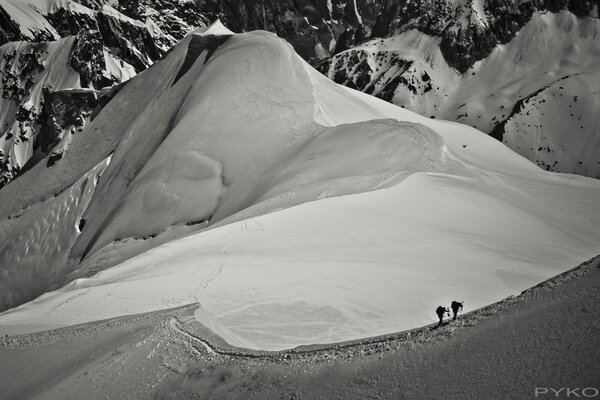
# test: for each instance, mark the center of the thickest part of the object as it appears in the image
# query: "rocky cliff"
(55, 57)
(315, 28)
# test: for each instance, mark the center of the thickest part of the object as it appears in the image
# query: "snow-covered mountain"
(525, 72)
(293, 210)
(52, 49)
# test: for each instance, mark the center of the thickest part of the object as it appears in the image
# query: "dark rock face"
(9, 30)
(352, 69)
(87, 58)
(64, 109)
(174, 18)
(581, 8)
(315, 28)
(17, 84)
(319, 29)
(64, 113)
(69, 23)
(125, 39)
(132, 42)
(130, 8)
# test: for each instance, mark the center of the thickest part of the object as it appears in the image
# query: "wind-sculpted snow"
(181, 189)
(35, 242)
(291, 209)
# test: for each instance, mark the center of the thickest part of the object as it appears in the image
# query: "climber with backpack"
(456, 305)
(440, 311)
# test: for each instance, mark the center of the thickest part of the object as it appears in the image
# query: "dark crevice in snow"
(203, 221)
(199, 222)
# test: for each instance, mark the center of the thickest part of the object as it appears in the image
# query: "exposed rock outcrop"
(56, 46)
(315, 28)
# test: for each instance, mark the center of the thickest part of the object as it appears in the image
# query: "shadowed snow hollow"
(310, 212)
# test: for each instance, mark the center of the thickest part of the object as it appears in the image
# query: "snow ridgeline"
(312, 213)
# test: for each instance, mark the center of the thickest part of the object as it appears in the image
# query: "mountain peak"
(215, 28)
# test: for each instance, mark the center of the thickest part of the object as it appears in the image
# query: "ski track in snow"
(67, 301)
(230, 240)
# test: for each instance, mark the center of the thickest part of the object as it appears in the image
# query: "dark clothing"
(440, 313)
(455, 307)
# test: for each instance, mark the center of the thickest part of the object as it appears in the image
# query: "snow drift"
(291, 209)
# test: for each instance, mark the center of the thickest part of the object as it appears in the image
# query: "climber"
(456, 305)
(440, 313)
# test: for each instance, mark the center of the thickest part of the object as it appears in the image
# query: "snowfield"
(291, 209)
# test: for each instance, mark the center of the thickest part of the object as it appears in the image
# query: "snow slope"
(313, 213)
(539, 93)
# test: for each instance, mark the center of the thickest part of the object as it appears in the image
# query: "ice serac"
(291, 209)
